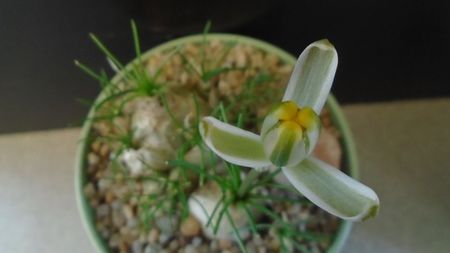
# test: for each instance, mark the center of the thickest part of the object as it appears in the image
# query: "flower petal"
(233, 144)
(284, 144)
(313, 75)
(332, 190)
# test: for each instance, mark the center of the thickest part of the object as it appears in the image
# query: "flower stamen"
(305, 117)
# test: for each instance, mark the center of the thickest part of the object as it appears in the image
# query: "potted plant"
(169, 161)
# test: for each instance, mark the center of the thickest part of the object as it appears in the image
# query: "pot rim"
(337, 117)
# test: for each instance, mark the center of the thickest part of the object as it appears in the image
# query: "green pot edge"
(337, 116)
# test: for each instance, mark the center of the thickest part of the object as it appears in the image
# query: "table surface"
(404, 153)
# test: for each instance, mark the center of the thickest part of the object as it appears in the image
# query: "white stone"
(136, 247)
(152, 248)
(190, 249)
(194, 155)
(138, 161)
(151, 187)
(197, 241)
(152, 126)
(167, 224)
(202, 203)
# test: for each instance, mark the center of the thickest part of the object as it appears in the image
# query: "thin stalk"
(236, 232)
(221, 214)
(216, 207)
(251, 218)
(92, 73)
(202, 48)
(246, 183)
(106, 51)
(137, 46)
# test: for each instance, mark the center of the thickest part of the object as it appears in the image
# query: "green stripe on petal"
(288, 136)
(311, 135)
(283, 144)
(313, 75)
(233, 144)
(332, 190)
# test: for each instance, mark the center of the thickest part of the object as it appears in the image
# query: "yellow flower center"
(304, 117)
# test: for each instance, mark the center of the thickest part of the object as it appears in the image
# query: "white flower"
(289, 134)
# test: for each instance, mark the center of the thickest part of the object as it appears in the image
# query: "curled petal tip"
(324, 44)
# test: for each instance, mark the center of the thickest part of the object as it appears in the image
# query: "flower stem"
(246, 183)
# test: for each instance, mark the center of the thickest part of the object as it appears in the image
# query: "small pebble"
(258, 240)
(104, 150)
(102, 210)
(120, 191)
(173, 245)
(152, 248)
(163, 238)
(96, 146)
(214, 245)
(124, 231)
(274, 244)
(118, 219)
(294, 209)
(116, 205)
(123, 246)
(190, 249)
(153, 236)
(190, 227)
(114, 240)
(224, 244)
(304, 215)
(136, 247)
(128, 211)
(103, 184)
(104, 233)
(197, 241)
(182, 241)
(132, 223)
(94, 202)
(204, 249)
(167, 224)
(109, 197)
(89, 190)
(142, 237)
(262, 249)
(251, 247)
(93, 159)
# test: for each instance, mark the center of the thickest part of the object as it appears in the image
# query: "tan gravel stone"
(190, 227)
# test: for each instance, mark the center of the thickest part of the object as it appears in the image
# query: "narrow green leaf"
(236, 233)
(101, 78)
(106, 51)
(137, 46)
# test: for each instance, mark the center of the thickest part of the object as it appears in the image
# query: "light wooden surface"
(404, 152)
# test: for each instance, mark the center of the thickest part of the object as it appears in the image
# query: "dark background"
(388, 50)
